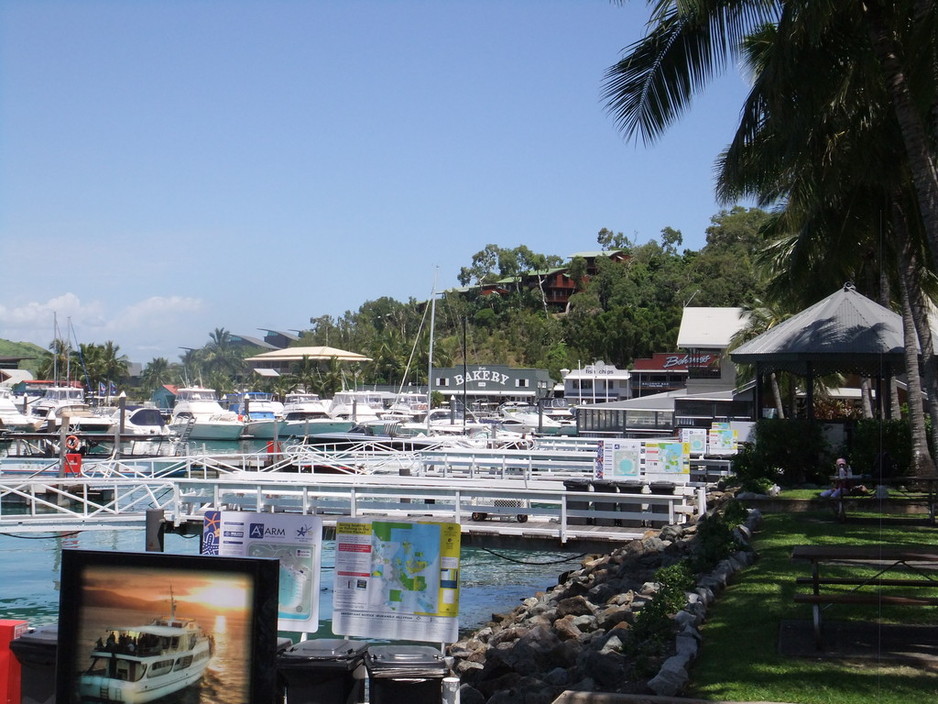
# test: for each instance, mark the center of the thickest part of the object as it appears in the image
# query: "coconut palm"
(809, 138)
(690, 41)
(221, 355)
(155, 374)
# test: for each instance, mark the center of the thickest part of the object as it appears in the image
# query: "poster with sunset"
(168, 628)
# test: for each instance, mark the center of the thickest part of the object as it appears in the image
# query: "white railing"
(84, 503)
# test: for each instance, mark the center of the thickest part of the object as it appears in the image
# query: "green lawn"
(739, 658)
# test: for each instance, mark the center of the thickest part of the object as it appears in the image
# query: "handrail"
(99, 502)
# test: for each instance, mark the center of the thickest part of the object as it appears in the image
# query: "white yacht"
(146, 662)
(140, 421)
(198, 415)
(358, 406)
(525, 418)
(10, 416)
(303, 414)
(66, 404)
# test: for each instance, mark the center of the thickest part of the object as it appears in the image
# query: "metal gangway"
(548, 508)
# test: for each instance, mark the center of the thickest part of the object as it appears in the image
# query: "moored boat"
(198, 415)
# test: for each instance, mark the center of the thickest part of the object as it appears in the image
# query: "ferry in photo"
(144, 663)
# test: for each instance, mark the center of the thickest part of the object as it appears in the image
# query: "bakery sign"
(481, 377)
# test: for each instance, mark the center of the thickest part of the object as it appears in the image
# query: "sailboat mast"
(430, 356)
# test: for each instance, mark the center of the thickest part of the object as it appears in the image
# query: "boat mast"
(430, 365)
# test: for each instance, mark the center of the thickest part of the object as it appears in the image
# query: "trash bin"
(36, 651)
(577, 505)
(605, 487)
(631, 505)
(663, 510)
(405, 673)
(323, 671)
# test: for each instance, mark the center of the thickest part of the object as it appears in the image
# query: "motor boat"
(11, 418)
(197, 415)
(66, 404)
(525, 418)
(304, 413)
(146, 662)
(358, 406)
(139, 421)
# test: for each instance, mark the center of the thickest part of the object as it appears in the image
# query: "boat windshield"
(197, 395)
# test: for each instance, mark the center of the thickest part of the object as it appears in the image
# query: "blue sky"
(169, 167)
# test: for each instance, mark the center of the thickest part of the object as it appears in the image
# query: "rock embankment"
(575, 636)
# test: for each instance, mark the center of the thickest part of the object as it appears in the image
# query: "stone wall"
(572, 636)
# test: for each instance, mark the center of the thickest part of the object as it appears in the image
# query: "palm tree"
(808, 138)
(155, 374)
(760, 319)
(306, 372)
(893, 42)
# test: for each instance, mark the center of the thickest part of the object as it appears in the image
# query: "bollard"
(450, 690)
(156, 529)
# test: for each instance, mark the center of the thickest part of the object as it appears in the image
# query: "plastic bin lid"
(37, 646)
(326, 649)
(578, 483)
(405, 661)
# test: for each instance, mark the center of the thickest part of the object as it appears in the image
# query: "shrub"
(871, 437)
(785, 452)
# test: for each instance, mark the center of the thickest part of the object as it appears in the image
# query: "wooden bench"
(919, 562)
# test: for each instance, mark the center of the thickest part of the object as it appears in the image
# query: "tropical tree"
(808, 137)
(893, 42)
(221, 357)
(155, 374)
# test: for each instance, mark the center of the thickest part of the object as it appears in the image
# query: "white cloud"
(157, 311)
(154, 323)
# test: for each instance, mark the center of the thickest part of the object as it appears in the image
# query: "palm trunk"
(914, 134)
(777, 396)
(866, 403)
(921, 457)
(910, 274)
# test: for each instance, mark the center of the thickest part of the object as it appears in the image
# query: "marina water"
(490, 582)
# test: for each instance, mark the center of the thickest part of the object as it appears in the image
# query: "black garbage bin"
(578, 485)
(662, 510)
(36, 651)
(608, 504)
(323, 671)
(631, 504)
(405, 673)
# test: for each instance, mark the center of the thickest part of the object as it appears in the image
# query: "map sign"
(696, 438)
(619, 460)
(667, 461)
(397, 580)
(722, 439)
(293, 539)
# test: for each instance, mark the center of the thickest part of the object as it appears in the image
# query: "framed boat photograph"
(177, 629)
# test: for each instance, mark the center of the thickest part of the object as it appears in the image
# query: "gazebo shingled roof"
(845, 332)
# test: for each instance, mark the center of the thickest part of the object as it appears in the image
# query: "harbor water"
(490, 582)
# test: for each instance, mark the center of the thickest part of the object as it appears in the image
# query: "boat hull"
(210, 430)
(96, 688)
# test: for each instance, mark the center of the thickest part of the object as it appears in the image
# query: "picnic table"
(901, 567)
(901, 491)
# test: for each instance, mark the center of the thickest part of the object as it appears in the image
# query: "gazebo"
(845, 332)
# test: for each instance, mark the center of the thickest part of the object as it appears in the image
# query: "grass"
(739, 658)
